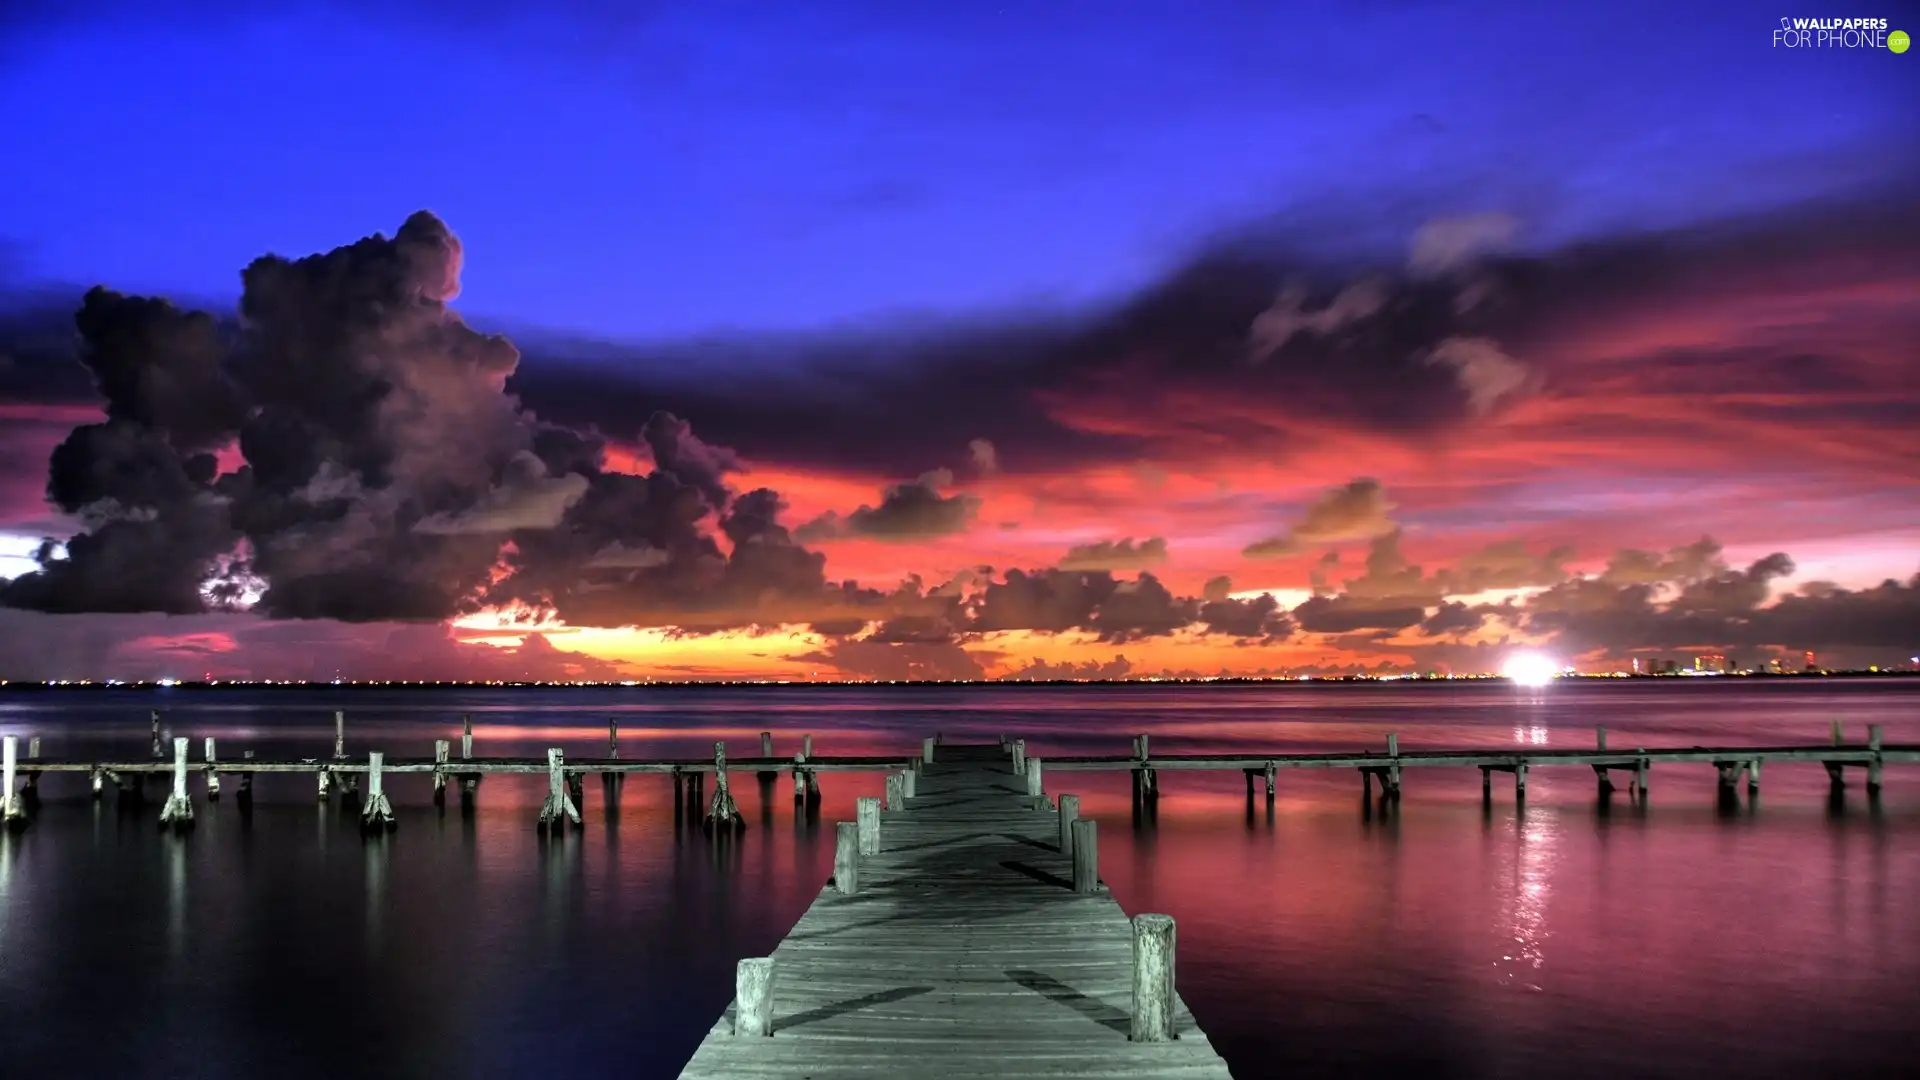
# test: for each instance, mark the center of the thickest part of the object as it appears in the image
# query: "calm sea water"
(1779, 937)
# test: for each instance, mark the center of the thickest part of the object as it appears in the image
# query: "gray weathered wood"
(722, 813)
(178, 810)
(377, 814)
(154, 716)
(799, 777)
(896, 791)
(466, 736)
(926, 749)
(866, 810)
(441, 750)
(753, 997)
(909, 783)
(846, 857)
(1069, 813)
(559, 807)
(1600, 739)
(1086, 855)
(1034, 788)
(339, 735)
(213, 776)
(13, 810)
(806, 745)
(766, 744)
(613, 736)
(1153, 991)
(963, 954)
(1019, 757)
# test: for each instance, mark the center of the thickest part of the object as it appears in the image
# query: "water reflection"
(1523, 909)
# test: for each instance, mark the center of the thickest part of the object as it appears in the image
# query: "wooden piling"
(213, 778)
(1753, 777)
(1873, 766)
(559, 807)
(13, 809)
(377, 814)
(721, 812)
(753, 998)
(178, 811)
(846, 858)
(1640, 770)
(325, 776)
(1272, 769)
(33, 747)
(245, 794)
(466, 736)
(154, 715)
(799, 778)
(1153, 1000)
(1034, 790)
(1519, 782)
(766, 744)
(1019, 757)
(896, 792)
(806, 745)
(1069, 813)
(1086, 855)
(867, 814)
(613, 736)
(909, 783)
(1833, 729)
(441, 748)
(926, 749)
(339, 735)
(1600, 739)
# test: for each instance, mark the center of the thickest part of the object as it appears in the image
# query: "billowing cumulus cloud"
(907, 512)
(1116, 555)
(1356, 511)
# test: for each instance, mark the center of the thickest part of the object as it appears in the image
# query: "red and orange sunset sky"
(1453, 390)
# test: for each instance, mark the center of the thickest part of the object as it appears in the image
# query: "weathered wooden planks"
(963, 952)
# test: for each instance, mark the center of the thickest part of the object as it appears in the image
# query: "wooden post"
(909, 783)
(154, 715)
(339, 735)
(1486, 784)
(721, 811)
(13, 810)
(1393, 746)
(846, 858)
(766, 744)
(1069, 813)
(377, 814)
(441, 748)
(1086, 855)
(1019, 757)
(33, 748)
(246, 779)
(1600, 738)
(926, 749)
(1753, 777)
(1271, 770)
(867, 815)
(1153, 978)
(213, 778)
(178, 811)
(1833, 728)
(799, 778)
(613, 736)
(1519, 781)
(1034, 790)
(96, 783)
(466, 736)
(1640, 770)
(325, 780)
(896, 791)
(559, 807)
(753, 997)
(806, 745)
(1873, 766)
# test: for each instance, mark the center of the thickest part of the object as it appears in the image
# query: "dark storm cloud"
(907, 512)
(1116, 555)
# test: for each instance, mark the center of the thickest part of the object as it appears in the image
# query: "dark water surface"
(1776, 938)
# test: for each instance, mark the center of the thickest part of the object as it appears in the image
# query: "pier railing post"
(806, 745)
(753, 997)
(613, 736)
(13, 810)
(1600, 739)
(1153, 941)
(1086, 855)
(178, 811)
(1873, 764)
(910, 781)
(1034, 789)
(766, 744)
(154, 715)
(799, 778)
(339, 735)
(466, 736)
(926, 749)
(213, 778)
(1833, 729)
(246, 780)
(1069, 813)
(846, 858)
(896, 791)
(377, 815)
(1019, 757)
(866, 811)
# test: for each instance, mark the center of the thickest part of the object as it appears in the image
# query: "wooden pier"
(964, 934)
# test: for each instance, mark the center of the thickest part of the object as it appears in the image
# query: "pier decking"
(962, 950)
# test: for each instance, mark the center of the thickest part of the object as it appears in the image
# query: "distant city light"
(1529, 669)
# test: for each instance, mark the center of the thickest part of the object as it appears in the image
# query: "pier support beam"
(1873, 766)
(1086, 855)
(1069, 813)
(13, 809)
(325, 779)
(245, 794)
(846, 858)
(866, 811)
(1153, 1000)
(613, 736)
(766, 749)
(559, 807)
(1519, 782)
(753, 998)
(799, 778)
(1272, 770)
(441, 748)
(896, 792)
(96, 783)
(213, 778)
(1753, 777)
(377, 814)
(721, 812)
(1641, 769)
(178, 811)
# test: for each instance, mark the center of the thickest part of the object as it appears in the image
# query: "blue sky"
(705, 167)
